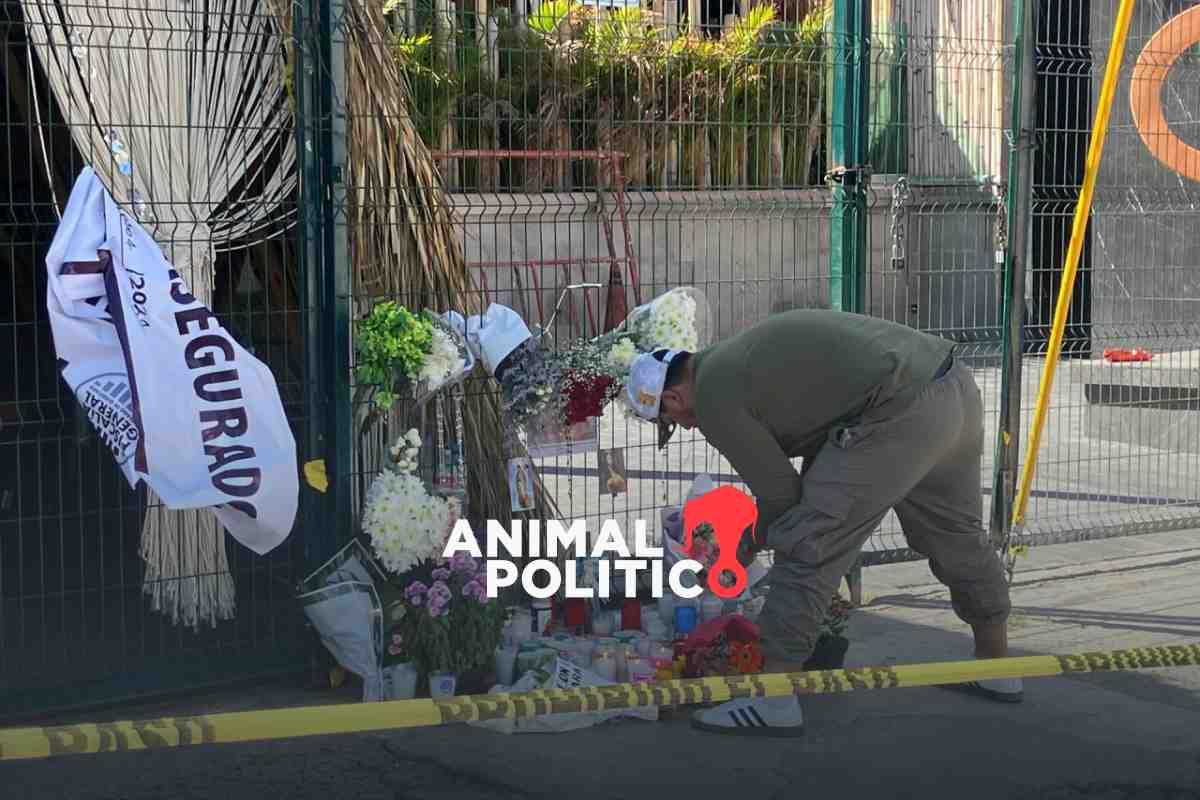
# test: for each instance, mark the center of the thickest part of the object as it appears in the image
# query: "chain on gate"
(901, 194)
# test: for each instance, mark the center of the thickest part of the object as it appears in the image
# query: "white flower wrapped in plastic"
(671, 321)
(442, 364)
(405, 522)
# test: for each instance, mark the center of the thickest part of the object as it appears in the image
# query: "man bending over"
(884, 417)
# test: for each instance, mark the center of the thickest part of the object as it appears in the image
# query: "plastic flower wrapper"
(679, 319)
(449, 360)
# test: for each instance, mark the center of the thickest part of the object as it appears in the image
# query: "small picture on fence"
(552, 439)
(520, 484)
(612, 471)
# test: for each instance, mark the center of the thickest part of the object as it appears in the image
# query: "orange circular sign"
(1146, 87)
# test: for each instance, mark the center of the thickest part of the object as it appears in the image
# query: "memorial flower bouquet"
(527, 379)
(405, 522)
(448, 623)
(399, 351)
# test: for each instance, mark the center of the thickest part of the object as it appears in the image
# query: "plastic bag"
(343, 605)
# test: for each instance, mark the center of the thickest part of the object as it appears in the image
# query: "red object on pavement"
(1122, 354)
(735, 627)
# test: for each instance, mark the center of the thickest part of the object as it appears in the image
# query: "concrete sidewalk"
(1134, 735)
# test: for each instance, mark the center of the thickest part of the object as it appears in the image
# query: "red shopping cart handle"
(1118, 354)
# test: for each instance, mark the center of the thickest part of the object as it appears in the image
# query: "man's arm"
(758, 459)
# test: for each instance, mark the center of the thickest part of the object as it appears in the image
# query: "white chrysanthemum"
(670, 323)
(406, 524)
(442, 363)
(622, 354)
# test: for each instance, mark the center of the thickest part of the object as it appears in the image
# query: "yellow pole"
(1108, 89)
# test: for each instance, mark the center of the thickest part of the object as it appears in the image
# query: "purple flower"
(441, 574)
(463, 562)
(415, 592)
(473, 590)
(437, 607)
(439, 592)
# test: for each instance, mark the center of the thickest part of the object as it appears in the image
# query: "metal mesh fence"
(535, 119)
(1121, 450)
(104, 593)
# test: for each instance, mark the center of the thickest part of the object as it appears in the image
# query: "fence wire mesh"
(1121, 450)
(104, 593)
(582, 146)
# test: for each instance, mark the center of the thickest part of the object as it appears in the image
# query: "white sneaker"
(753, 716)
(1005, 690)
(1000, 690)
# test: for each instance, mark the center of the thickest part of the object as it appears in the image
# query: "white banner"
(201, 421)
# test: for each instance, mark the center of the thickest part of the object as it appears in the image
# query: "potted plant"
(830, 651)
(449, 626)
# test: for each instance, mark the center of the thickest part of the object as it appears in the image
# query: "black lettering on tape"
(147, 731)
(1148, 657)
(884, 678)
(112, 738)
(488, 708)
(565, 702)
(195, 730)
(832, 682)
(804, 682)
(668, 695)
(591, 698)
(739, 686)
(66, 740)
(616, 696)
(857, 677)
(642, 694)
(457, 709)
(1072, 663)
(1179, 655)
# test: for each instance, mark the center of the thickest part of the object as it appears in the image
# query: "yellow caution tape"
(287, 723)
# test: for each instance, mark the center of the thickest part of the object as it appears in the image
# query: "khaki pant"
(924, 461)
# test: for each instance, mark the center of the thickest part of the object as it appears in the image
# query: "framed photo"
(520, 484)
(612, 472)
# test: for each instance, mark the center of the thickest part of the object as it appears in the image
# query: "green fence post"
(848, 155)
(1018, 217)
(848, 143)
(319, 82)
